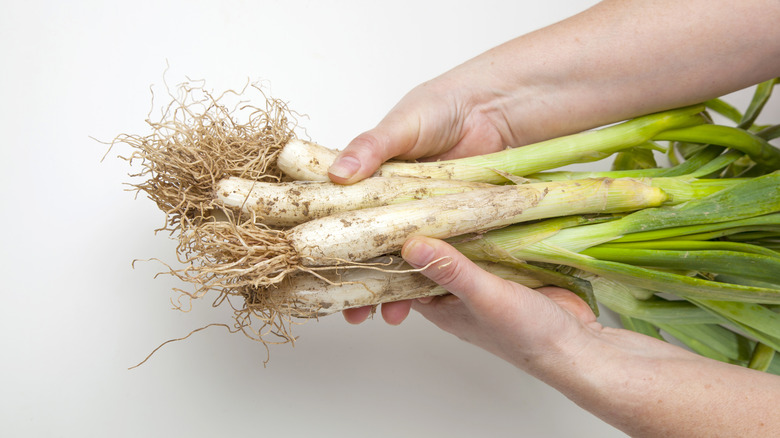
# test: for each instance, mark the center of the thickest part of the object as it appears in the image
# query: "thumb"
(362, 157)
(453, 271)
(489, 295)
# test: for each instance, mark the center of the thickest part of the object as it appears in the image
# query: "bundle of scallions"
(688, 249)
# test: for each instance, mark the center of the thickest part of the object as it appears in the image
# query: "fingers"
(454, 271)
(396, 312)
(475, 293)
(357, 315)
(482, 291)
(362, 157)
(393, 313)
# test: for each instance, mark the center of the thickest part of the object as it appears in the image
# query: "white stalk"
(364, 234)
(292, 203)
(304, 295)
(305, 161)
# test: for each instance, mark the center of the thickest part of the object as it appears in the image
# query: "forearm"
(624, 58)
(648, 388)
(642, 385)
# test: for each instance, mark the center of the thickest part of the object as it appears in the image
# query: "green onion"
(224, 253)
(307, 161)
(292, 203)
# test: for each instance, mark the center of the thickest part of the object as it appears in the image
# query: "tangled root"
(200, 139)
(225, 256)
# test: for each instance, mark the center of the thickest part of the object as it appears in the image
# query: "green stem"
(754, 197)
(752, 266)
(754, 146)
(769, 133)
(725, 109)
(692, 245)
(704, 162)
(754, 319)
(640, 326)
(652, 279)
(694, 164)
(712, 341)
(662, 281)
(762, 357)
(761, 96)
(554, 153)
(622, 299)
(764, 224)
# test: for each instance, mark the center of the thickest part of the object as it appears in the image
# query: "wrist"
(648, 387)
(514, 85)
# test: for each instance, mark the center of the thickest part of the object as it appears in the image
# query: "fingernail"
(417, 253)
(344, 167)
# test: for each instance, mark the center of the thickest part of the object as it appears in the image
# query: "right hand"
(451, 116)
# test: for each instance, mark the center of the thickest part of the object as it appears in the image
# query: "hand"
(449, 117)
(518, 324)
(509, 320)
(484, 309)
(512, 321)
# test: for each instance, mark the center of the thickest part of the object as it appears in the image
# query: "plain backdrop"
(75, 314)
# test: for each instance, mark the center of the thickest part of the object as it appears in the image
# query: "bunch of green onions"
(689, 250)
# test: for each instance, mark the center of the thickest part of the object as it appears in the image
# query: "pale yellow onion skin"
(293, 203)
(364, 234)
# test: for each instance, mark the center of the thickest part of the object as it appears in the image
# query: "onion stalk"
(304, 295)
(291, 203)
(227, 254)
(308, 161)
(592, 248)
(752, 201)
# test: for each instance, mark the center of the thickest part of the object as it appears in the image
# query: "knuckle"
(367, 146)
(449, 274)
(366, 140)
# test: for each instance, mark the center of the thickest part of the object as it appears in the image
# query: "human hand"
(455, 115)
(516, 323)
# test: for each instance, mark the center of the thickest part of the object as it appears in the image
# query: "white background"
(74, 315)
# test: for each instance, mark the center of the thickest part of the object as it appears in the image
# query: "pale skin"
(614, 61)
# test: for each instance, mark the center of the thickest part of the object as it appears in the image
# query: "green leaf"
(712, 341)
(634, 158)
(754, 319)
(725, 109)
(756, 147)
(761, 96)
(753, 266)
(640, 326)
(762, 357)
